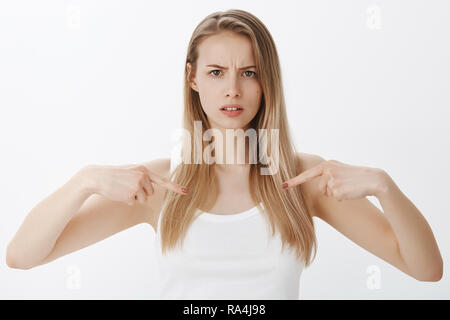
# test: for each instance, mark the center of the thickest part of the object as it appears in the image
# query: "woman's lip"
(231, 106)
(232, 113)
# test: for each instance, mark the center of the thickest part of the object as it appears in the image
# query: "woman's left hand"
(342, 181)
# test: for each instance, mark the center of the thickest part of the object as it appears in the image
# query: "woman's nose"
(233, 86)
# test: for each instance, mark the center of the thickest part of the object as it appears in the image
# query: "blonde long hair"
(284, 209)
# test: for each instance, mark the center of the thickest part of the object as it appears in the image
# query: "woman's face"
(226, 74)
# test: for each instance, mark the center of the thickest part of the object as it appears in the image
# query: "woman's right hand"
(128, 183)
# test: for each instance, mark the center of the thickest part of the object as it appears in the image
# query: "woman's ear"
(191, 77)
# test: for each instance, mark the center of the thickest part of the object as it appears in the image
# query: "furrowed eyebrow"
(221, 67)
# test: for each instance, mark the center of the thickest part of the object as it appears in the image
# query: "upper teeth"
(231, 108)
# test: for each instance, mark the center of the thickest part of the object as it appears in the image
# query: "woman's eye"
(214, 71)
(252, 74)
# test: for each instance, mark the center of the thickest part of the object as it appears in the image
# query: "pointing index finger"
(304, 176)
(166, 184)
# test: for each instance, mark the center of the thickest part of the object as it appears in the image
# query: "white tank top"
(231, 256)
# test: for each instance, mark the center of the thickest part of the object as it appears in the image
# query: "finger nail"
(285, 185)
(185, 190)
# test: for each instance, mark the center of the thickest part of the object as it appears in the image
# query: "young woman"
(226, 230)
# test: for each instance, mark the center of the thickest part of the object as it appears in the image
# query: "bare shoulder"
(153, 206)
(310, 188)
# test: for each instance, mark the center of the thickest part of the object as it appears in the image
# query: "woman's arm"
(78, 214)
(416, 242)
(399, 234)
(41, 228)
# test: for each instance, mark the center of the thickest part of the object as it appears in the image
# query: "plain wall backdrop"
(100, 82)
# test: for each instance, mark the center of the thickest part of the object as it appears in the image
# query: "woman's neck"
(235, 151)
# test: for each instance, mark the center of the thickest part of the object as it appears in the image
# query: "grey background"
(100, 82)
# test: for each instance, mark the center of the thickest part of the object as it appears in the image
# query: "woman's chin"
(231, 124)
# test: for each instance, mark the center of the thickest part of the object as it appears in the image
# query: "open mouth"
(234, 108)
(232, 111)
